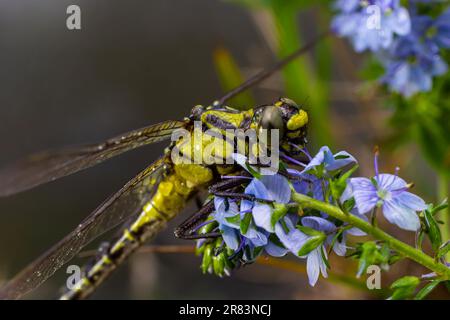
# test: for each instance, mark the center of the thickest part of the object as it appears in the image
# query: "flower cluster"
(265, 220)
(407, 41)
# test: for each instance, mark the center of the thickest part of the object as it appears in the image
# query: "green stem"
(399, 246)
(443, 193)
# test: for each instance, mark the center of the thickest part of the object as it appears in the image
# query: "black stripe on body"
(219, 122)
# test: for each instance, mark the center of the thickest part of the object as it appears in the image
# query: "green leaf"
(252, 171)
(426, 290)
(335, 238)
(419, 239)
(309, 231)
(338, 186)
(369, 254)
(443, 205)
(207, 259)
(278, 213)
(404, 282)
(324, 257)
(443, 249)
(236, 219)
(366, 258)
(219, 264)
(273, 238)
(433, 231)
(349, 204)
(245, 223)
(311, 244)
(404, 287)
(208, 228)
(284, 226)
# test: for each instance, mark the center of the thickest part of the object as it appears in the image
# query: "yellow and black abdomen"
(172, 193)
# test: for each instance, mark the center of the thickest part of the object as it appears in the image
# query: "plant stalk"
(402, 248)
(443, 193)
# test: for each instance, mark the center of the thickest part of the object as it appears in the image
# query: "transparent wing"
(48, 166)
(125, 203)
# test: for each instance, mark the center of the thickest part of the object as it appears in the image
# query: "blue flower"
(272, 188)
(371, 24)
(315, 263)
(324, 162)
(433, 32)
(388, 192)
(309, 184)
(293, 240)
(414, 60)
(228, 216)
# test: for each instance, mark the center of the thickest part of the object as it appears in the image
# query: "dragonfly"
(152, 198)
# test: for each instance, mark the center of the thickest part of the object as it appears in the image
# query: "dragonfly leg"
(236, 195)
(194, 236)
(241, 196)
(187, 227)
(226, 188)
(227, 184)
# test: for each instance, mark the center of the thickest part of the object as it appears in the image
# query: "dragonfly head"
(286, 116)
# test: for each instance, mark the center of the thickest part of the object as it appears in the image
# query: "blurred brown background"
(135, 63)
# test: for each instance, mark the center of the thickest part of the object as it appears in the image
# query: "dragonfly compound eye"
(272, 119)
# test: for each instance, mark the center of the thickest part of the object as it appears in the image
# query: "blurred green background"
(139, 62)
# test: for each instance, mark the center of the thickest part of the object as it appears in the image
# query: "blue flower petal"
(246, 205)
(221, 214)
(411, 201)
(343, 159)
(230, 236)
(262, 214)
(329, 162)
(256, 237)
(348, 192)
(318, 224)
(275, 251)
(293, 239)
(390, 182)
(400, 22)
(318, 159)
(365, 194)
(315, 265)
(258, 189)
(347, 5)
(403, 217)
(277, 187)
(340, 248)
